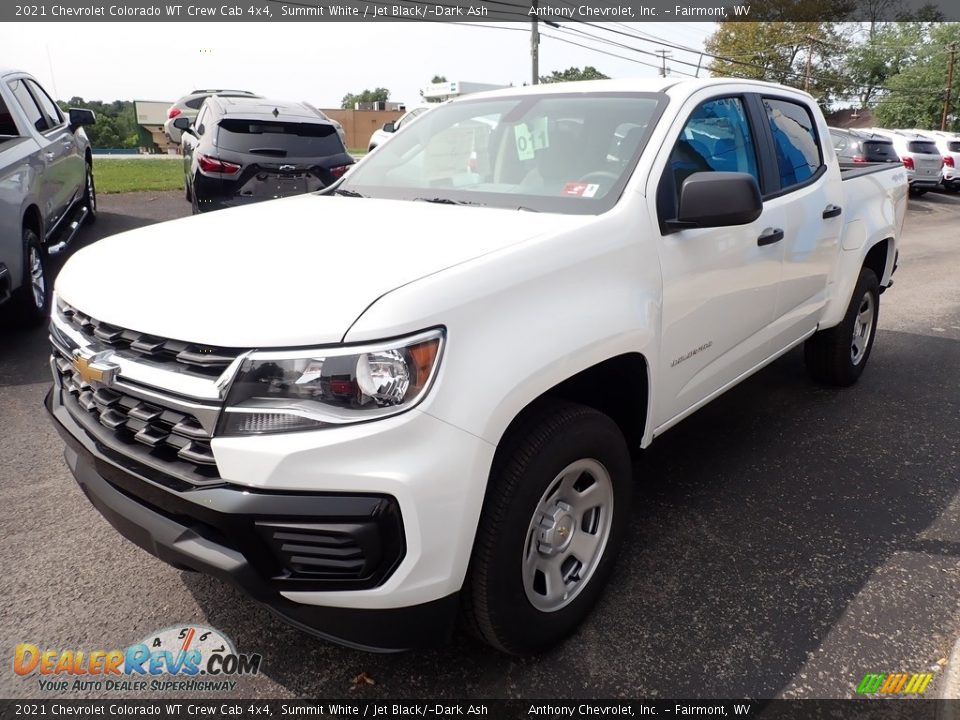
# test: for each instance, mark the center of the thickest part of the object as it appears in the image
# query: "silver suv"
(189, 107)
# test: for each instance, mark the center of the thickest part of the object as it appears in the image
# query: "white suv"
(949, 146)
(919, 156)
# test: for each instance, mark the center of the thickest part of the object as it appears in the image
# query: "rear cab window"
(279, 139)
(799, 156)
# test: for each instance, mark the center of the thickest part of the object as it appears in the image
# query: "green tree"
(781, 52)
(573, 74)
(350, 100)
(888, 48)
(915, 95)
(116, 125)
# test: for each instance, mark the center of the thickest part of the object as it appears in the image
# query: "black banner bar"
(559, 11)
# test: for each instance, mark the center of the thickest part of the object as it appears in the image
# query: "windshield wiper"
(348, 193)
(447, 201)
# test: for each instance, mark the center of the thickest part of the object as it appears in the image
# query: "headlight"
(312, 389)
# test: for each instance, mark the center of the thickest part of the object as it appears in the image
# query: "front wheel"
(551, 525)
(838, 355)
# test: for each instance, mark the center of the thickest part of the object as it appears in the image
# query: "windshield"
(566, 153)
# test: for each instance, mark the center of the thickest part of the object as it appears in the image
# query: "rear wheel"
(917, 192)
(838, 355)
(30, 303)
(551, 525)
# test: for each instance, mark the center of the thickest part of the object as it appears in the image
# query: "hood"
(283, 273)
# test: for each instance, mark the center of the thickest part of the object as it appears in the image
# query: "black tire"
(917, 192)
(831, 355)
(25, 311)
(90, 194)
(548, 440)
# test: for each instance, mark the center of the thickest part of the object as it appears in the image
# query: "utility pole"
(806, 74)
(534, 46)
(946, 100)
(664, 54)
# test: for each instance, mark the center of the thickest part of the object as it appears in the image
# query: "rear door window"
(279, 139)
(29, 106)
(795, 141)
(953, 146)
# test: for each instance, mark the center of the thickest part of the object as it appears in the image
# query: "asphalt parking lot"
(786, 540)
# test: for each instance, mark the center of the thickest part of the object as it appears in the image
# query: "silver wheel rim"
(862, 328)
(37, 282)
(567, 535)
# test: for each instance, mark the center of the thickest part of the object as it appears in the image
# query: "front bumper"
(214, 531)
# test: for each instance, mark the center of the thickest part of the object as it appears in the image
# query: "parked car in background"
(386, 132)
(919, 156)
(859, 146)
(46, 190)
(189, 106)
(948, 144)
(241, 150)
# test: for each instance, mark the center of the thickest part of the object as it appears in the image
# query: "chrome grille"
(168, 440)
(203, 360)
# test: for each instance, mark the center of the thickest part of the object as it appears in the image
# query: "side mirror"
(390, 127)
(80, 117)
(718, 199)
(182, 123)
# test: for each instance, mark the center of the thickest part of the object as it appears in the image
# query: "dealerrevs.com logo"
(189, 658)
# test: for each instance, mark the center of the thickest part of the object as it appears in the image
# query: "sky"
(318, 62)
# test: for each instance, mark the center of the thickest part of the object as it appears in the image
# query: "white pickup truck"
(414, 397)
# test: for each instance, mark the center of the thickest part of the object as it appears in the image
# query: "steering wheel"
(598, 175)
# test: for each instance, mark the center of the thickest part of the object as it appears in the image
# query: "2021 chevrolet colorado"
(372, 426)
(46, 190)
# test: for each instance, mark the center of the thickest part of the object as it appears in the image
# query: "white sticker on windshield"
(530, 138)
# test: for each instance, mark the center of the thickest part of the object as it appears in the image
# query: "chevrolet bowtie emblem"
(92, 370)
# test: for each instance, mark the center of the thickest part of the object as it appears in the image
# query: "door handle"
(832, 211)
(770, 236)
